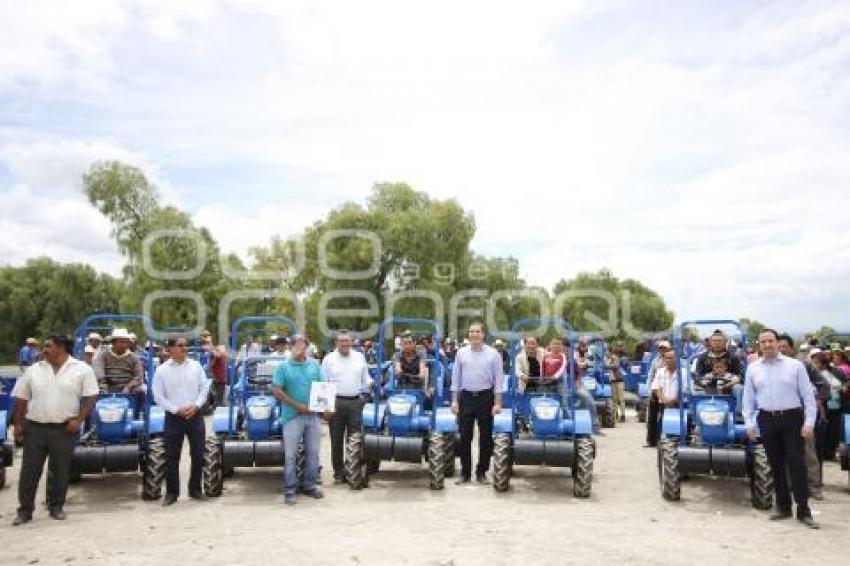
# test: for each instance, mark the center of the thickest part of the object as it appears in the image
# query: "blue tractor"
(636, 374)
(7, 445)
(703, 436)
(597, 380)
(119, 436)
(543, 426)
(404, 425)
(844, 447)
(247, 432)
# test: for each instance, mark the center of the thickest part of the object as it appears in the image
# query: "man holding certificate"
(293, 381)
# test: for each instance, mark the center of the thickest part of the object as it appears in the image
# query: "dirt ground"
(399, 521)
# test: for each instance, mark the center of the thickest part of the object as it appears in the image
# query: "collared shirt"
(118, 371)
(476, 370)
(350, 373)
(296, 379)
(666, 381)
(54, 397)
(27, 356)
(178, 385)
(777, 385)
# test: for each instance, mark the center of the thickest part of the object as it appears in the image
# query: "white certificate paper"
(322, 397)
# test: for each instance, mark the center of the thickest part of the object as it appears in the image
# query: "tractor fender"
(670, 422)
(582, 424)
(445, 420)
(504, 421)
(221, 420)
(368, 415)
(157, 420)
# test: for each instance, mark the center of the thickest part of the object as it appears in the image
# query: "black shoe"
(650, 445)
(340, 480)
(169, 499)
(808, 521)
(21, 518)
(482, 479)
(780, 515)
(198, 496)
(462, 480)
(58, 514)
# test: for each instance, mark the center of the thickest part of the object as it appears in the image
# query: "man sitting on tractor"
(719, 381)
(411, 370)
(717, 348)
(118, 370)
(528, 364)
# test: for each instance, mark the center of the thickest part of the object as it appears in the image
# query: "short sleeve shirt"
(296, 379)
(54, 397)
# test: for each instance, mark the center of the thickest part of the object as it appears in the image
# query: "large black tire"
(668, 469)
(373, 466)
(583, 468)
(355, 466)
(761, 480)
(437, 447)
(300, 463)
(502, 461)
(641, 408)
(609, 414)
(153, 473)
(2, 476)
(213, 466)
(450, 454)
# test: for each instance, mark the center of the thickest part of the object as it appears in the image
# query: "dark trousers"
(218, 389)
(652, 417)
(40, 442)
(476, 406)
(347, 419)
(784, 446)
(832, 437)
(175, 430)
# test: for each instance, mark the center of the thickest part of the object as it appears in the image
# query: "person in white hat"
(95, 340)
(88, 355)
(118, 370)
(29, 354)
(663, 346)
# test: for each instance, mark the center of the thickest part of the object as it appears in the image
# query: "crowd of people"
(476, 378)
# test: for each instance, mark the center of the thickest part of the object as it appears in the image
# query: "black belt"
(349, 397)
(477, 393)
(49, 425)
(782, 413)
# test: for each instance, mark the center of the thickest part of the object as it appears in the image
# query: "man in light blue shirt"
(779, 403)
(180, 387)
(477, 385)
(293, 380)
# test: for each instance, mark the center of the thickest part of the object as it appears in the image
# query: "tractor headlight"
(260, 412)
(400, 407)
(546, 412)
(712, 418)
(590, 383)
(110, 415)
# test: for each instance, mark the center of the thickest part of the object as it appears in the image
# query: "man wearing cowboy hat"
(29, 354)
(118, 370)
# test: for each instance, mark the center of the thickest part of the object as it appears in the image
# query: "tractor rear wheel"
(502, 461)
(300, 463)
(641, 411)
(450, 454)
(668, 469)
(154, 471)
(761, 479)
(583, 468)
(373, 466)
(609, 414)
(213, 466)
(436, 460)
(355, 465)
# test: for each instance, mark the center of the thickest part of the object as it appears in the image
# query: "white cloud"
(687, 145)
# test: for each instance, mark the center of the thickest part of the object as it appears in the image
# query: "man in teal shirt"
(292, 381)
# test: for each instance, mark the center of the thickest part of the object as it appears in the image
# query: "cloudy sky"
(701, 147)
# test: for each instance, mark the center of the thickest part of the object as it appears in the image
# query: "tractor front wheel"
(436, 460)
(641, 411)
(154, 471)
(583, 468)
(502, 461)
(761, 479)
(213, 466)
(668, 469)
(355, 466)
(450, 454)
(609, 414)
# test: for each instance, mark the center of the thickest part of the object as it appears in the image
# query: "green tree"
(753, 329)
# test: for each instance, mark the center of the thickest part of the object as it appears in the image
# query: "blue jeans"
(738, 393)
(296, 429)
